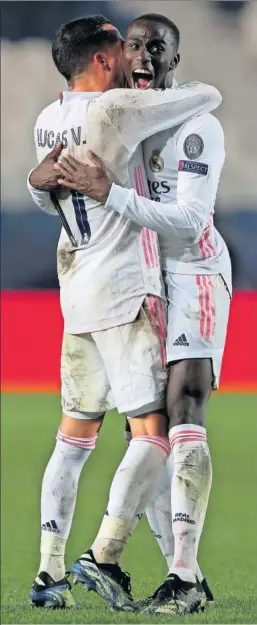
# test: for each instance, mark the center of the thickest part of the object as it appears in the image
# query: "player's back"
(105, 278)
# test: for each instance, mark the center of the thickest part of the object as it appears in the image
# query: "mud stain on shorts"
(65, 260)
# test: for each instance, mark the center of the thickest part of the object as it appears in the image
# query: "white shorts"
(122, 367)
(198, 311)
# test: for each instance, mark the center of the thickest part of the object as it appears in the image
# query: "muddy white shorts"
(122, 367)
(198, 311)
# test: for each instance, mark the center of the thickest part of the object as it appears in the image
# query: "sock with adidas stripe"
(58, 498)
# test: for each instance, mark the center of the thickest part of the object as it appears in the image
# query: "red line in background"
(16, 388)
(31, 335)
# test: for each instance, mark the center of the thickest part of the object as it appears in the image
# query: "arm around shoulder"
(136, 115)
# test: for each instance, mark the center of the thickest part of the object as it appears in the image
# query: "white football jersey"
(115, 263)
(183, 167)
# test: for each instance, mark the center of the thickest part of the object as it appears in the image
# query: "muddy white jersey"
(183, 167)
(115, 263)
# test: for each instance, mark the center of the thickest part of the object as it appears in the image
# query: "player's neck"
(169, 80)
(86, 84)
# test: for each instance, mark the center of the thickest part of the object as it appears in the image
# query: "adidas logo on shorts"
(182, 340)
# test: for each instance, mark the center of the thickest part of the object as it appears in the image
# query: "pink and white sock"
(159, 514)
(58, 498)
(191, 484)
(132, 487)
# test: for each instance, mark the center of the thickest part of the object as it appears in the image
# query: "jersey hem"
(105, 324)
(187, 356)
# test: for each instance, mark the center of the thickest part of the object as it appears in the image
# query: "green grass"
(228, 553)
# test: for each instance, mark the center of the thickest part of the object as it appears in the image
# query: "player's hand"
(44, 177)
(90, 181)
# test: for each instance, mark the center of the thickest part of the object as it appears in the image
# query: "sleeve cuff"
(33, 191)
(41, 198)
(118, 199)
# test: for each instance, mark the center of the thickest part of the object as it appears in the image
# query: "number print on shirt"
(81, 216)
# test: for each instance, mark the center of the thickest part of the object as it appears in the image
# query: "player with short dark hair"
(157, 18)
(76, 43)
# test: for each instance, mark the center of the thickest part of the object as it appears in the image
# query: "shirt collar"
(67, 96)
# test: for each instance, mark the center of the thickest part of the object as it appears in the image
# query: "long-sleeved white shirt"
(183, 192)
(104, 280)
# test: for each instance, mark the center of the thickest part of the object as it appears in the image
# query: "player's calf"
(158, 514)
(58, 498)
(132, 487)
(188, 391)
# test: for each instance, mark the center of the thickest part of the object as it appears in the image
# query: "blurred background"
(218, 46)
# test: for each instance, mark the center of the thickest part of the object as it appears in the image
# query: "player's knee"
(80, 427)
(189, 406)
(188, 392)
(154, 424)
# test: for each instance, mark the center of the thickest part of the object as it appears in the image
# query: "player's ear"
(175, 62)
(101, 58)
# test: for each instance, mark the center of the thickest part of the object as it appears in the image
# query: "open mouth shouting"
(142, 78)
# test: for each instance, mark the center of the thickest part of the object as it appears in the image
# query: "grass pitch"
(228, 553)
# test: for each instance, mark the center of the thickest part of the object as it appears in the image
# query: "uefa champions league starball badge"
(193, 146)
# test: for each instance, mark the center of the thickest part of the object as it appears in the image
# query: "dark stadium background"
(218, 46)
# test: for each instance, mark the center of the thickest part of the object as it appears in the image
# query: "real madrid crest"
(156, 162)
